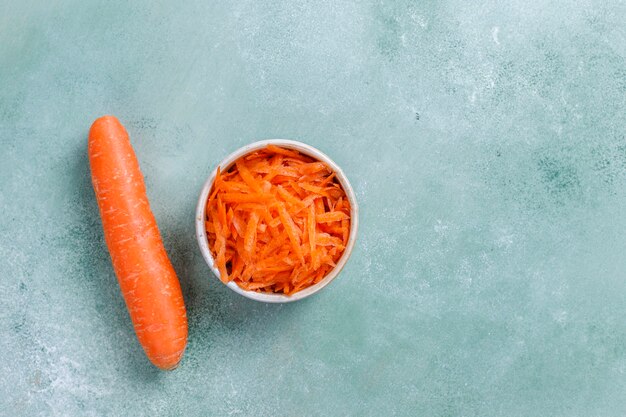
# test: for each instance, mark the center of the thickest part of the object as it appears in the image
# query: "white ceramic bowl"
(225, 165)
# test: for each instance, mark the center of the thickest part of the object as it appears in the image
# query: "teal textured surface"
(486, 144)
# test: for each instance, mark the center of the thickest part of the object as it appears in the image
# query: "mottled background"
(486, 143)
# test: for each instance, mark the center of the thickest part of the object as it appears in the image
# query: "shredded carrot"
(244, 198)
(311, 229)
(315, 189)
(345, 230)
(250, 237)
(290, 229)
(247, 176)
(278, 221)
(286, 152)
(332, 216)
(288, 197)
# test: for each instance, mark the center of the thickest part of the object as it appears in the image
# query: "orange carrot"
(277, 221)
(147, 279)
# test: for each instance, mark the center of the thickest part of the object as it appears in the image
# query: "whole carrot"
(146, 276)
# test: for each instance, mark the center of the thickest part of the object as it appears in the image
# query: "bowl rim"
(226, 163)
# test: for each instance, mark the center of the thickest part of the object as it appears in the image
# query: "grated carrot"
(314, 189)
(332, 216)
(290, 229)
(277, 221)
(244, 198)
(247, 176)
(249, 239)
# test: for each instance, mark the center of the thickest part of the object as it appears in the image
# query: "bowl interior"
(224, 166)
